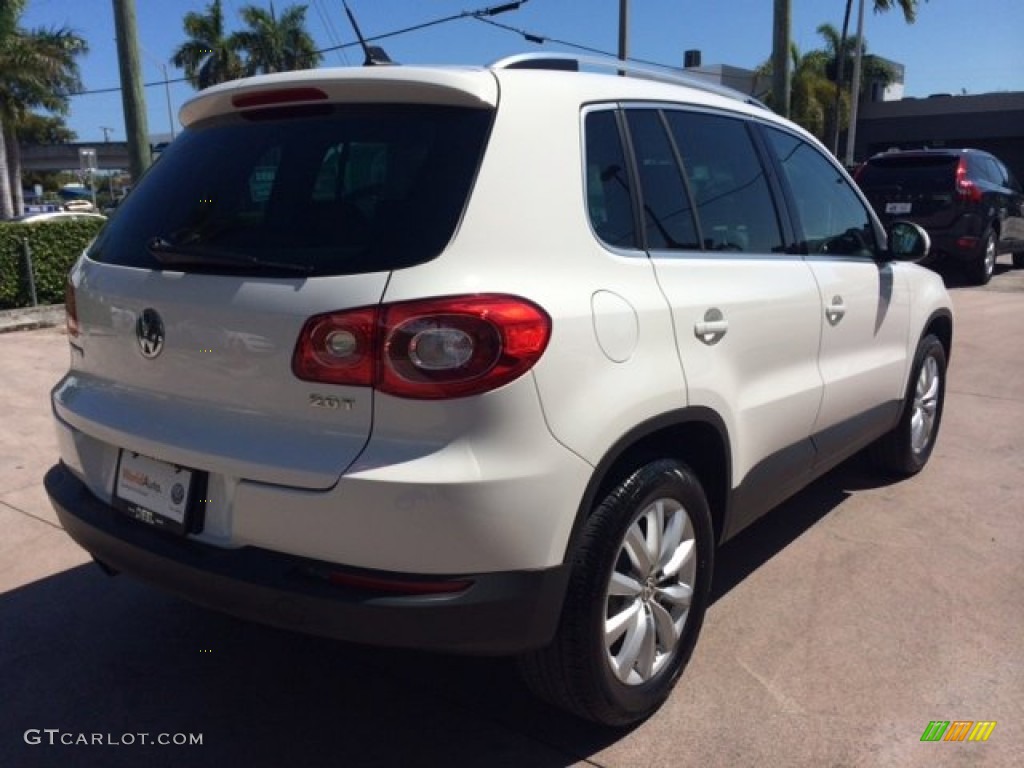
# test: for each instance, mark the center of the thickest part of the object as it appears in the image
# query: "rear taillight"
(966, 190)
(428, 349)
(338, 348)
(70, 308)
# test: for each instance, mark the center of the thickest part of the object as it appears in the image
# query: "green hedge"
(55, 245)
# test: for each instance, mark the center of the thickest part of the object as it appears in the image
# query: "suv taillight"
(966, 190)
(70, 308)
(426, 349)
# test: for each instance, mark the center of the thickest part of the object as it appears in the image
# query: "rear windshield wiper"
(172, 255)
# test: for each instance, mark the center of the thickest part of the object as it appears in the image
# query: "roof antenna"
(373, 54)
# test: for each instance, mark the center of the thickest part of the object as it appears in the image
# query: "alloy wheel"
(926, 402)
(649, 592)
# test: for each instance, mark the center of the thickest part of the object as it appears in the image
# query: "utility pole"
(780, 56)
(132, 96)
(623, 30)
(107, 130)
(851, 132)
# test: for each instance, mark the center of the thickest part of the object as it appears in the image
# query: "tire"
(1018, 260)
(981, 267)
(906, 449)
(654, 610)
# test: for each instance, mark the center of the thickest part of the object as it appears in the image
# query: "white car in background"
(35, 218)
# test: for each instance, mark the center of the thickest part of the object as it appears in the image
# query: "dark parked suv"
(967, 200)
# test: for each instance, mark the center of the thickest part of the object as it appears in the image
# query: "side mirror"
(908, 241)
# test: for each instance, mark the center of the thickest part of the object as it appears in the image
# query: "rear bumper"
(499, 613)
(955, 245)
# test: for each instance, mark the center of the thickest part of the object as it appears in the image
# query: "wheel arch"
(940, 325)
(697, 436)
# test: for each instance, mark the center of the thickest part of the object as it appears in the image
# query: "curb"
(31, 318)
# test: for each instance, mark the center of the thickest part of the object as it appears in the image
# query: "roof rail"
(572, 62)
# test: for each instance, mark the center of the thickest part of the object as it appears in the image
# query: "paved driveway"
(843, 623)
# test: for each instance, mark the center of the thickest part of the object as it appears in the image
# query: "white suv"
(483, 360)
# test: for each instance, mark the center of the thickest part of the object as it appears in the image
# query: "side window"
(983, 169)
(999, 174)
(734, 203)
(609, 202)
(668, 215)
(832, 217)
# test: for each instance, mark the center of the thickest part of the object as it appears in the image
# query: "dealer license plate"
(898, 207)
(154, 492)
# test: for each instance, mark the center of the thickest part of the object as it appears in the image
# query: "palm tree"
(909, 9)
(782, 12)
(276, 44)
(38, 69)
(209, 56)
(810, 89)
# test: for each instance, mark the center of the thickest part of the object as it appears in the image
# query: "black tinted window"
(735, 208)
(668, 215)
(918, 174)
(832, 216)
(361, 189)
(995, 172)
(609, 202)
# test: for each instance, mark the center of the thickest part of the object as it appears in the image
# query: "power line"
(532, 37)
(481, 13)
(117, 89)
(329, 29)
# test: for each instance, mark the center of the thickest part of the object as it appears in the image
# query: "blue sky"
(975, 46)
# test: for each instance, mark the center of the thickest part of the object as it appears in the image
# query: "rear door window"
(734, 203)
(668, 214)
(609, 195)
(361, 189)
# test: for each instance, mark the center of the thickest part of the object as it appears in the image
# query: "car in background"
(35, 218)
(966, 199)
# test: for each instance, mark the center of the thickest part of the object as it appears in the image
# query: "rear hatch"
(268, 209)
(913, 187)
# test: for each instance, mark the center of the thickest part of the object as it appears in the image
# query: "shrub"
(55, 245)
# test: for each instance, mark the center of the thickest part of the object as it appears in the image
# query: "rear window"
(360, 189)
(910, 174)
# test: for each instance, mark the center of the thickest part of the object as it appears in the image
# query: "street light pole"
(167, 92)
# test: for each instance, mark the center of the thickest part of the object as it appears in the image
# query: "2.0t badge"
(149, 330)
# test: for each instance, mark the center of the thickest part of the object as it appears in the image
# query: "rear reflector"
(387, 583)
(397, 586)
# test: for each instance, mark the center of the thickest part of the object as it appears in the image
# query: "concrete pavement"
(843, 623)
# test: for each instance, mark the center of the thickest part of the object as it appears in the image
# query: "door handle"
(712, 328)
(836, 311)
